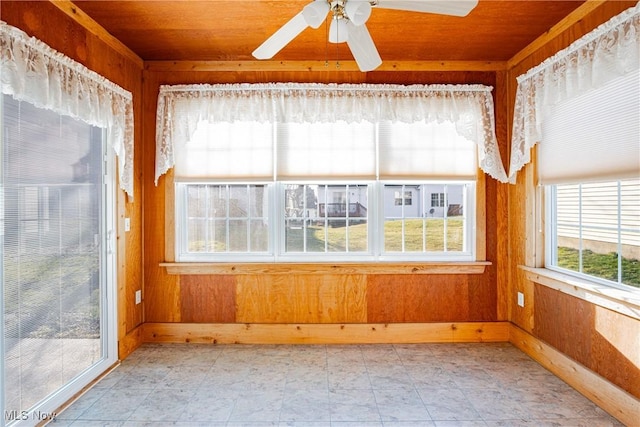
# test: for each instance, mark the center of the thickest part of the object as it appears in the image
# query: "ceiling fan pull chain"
(326, 41)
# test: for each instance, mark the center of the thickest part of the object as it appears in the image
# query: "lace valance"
(610, 51)
(33, 72)
(469, 107)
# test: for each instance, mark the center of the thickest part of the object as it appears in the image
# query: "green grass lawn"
(355, 236)
(600, 265)
(413, 233)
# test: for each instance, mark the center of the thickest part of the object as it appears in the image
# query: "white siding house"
(598, 217)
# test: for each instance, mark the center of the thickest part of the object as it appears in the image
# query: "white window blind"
(227, 150)
(593, 136)
(324, 149)
(360, 150)
(427, 150)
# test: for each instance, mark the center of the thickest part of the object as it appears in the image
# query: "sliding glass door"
(57, 268)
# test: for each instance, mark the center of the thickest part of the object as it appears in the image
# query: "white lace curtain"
(182, 107)
(33, 72)
(610, 51)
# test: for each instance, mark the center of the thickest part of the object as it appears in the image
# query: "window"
(405, 198)
(336, 170)
(423, 228)
(595, 230)
(316, 192)
(226, 218)
(326, 218)
(437, 200)
(593, 201)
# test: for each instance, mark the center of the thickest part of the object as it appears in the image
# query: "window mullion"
(346, 218)
(403, 233)
(580, 264)
(423, 204)
(249, 216)
(445, 204)
(207, 216)
(226, 219)
(619, 194)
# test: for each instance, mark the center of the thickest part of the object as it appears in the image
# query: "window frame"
(470, 232)
(548, 212)
(476, 252)
(179, 225)
(176, 235)
(281, 255)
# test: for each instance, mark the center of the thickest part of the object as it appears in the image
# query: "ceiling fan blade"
(362, 47)
(443, 7)
(281, 38)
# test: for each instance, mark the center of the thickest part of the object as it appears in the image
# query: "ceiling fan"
(347, 24)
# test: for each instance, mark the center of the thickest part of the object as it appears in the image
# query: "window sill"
(618, 300)
(182, 268)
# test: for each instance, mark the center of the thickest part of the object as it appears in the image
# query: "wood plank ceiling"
(219, 30)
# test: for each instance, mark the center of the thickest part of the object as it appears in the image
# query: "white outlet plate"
(520, 299)
(138, 297)
(127, 224)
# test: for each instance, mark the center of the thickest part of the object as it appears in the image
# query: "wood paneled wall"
(308, 298)
(48, 23)
(328, 298)
(600, 339)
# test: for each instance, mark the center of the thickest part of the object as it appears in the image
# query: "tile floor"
(332, 385)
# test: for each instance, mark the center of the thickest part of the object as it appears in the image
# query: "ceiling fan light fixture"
(358, 11)
(315, 13)
(338, 30)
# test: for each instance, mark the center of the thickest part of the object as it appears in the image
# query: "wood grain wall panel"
(417, 299)
(162, 302)
(564, 322)
(498, 205)
(482, 295)
(301, 299)
(614, 353)
(600, 339)
(208, 299)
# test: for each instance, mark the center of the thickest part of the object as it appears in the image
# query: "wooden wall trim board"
(481, 216)
(367, 333)
(187, 268)
(96, 29)
(345, 66)
(618, 300)
(605, 394)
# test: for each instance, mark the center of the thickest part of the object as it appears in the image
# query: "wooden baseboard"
(394, 333)
(616, 401)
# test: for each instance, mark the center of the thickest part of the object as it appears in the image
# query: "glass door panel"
(54, 258)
